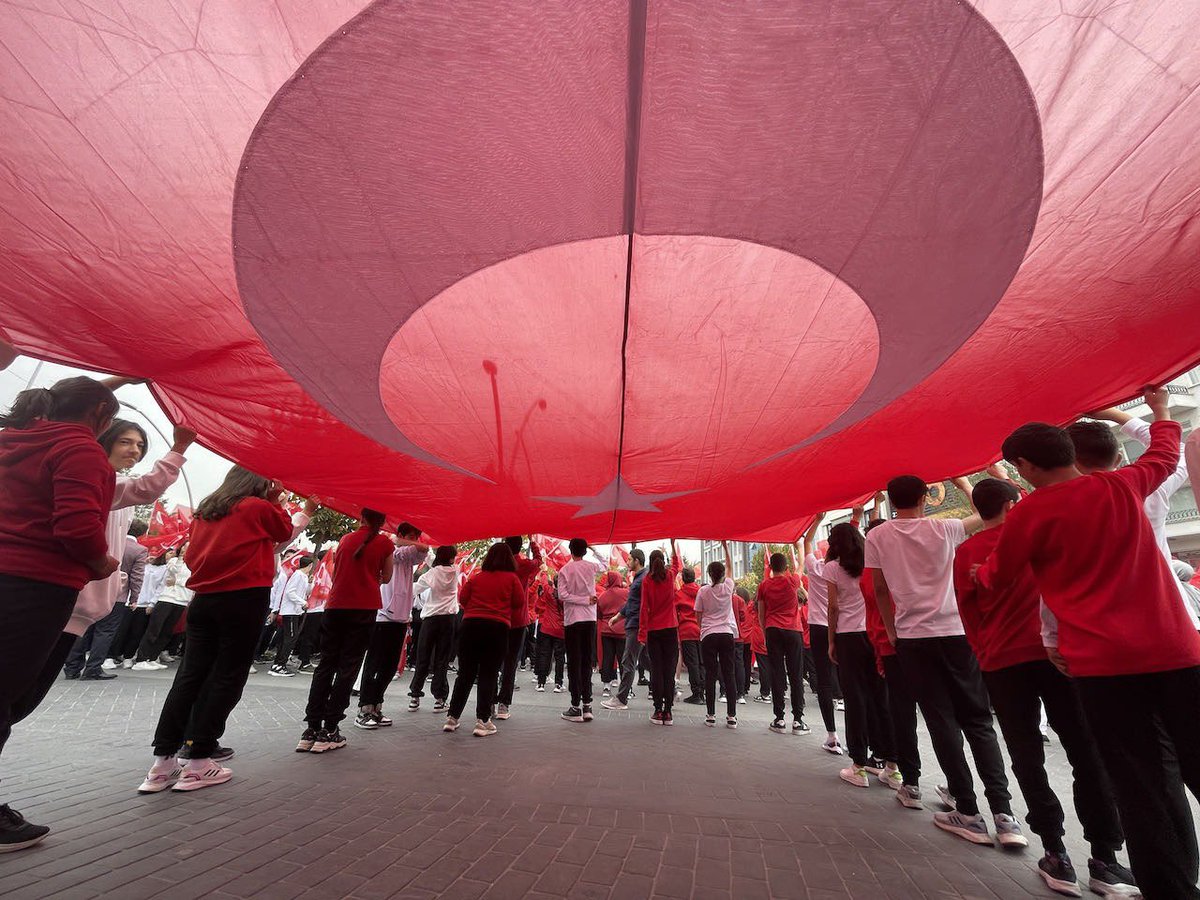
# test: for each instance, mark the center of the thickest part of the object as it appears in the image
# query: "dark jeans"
(549, 647)
(481, 647)
(580, 639)
(663, 646)
(32, 617)
(629, 664)
(764, 673)
(414, 636)
(222, 630)
(719, 656)
(695, 667)
(613, 647)
(944, 677)
(382, 662)
(289, 633)
(867, 718)
(309, 642)
(512, 656)
(902, 707)
(1017, 692)
(92, 647)
(818, 638)
(1155, 711)
(786, 649)
(433, 656)
(130, 633)
(161, 626)
(345, 634)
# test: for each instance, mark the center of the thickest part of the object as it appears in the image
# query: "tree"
(328, 525)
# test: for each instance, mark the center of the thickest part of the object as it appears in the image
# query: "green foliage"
(328, 525)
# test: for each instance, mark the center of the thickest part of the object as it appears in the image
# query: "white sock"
(199, 765)
(163, 764)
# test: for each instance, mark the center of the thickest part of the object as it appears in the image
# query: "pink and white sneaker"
(160, 781)
(207, 775)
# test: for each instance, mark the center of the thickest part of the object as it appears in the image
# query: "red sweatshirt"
(494, 595)
(237, 551)
(658, 603)
(780, 600)
(875, 630)
(757, 637)
(527, 570)
(610, 602)
(549, 612)
(685, 612)
(356, 581)
(1004, 627)
(1099, 569)
(56, 489)
(739, 612)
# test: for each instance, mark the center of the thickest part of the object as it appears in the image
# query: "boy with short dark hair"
(1004, 628)
(1123, 634)
(577, 590)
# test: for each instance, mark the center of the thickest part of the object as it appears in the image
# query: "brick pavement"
(614, 809)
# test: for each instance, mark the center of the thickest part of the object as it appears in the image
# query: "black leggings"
(481, 647)
(433, 655)
(719, 656)
(818, 638)
(381, 662)
(163, 619)
(867, 718)
(129, 635)
(222, 631)
(663, 646)
(549, 646)
(512, 656)
(613, 647)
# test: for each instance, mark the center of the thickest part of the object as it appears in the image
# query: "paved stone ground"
(613, 809)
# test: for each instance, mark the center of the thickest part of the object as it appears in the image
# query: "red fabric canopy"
(616, 269)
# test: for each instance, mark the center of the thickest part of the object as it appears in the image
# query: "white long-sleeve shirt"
(442, 584)
(97, 597)
(174, 584)
(293, 596)
(152, 580)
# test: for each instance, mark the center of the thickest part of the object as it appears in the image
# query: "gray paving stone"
(543, 810)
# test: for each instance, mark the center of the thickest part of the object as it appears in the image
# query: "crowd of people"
(1060, 600)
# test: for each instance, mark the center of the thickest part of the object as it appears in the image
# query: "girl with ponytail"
(56, 489)
(362, 563)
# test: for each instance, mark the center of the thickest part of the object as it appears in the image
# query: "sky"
(204, 469)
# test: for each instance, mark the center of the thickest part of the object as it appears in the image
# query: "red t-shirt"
(875, 630)
(238, 551)
(658, 603)
(1003, 626)
(685, 612)
(498, 596)
(1098, 567)
(356, 581)
(780, 601)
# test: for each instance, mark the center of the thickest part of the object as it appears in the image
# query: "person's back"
(781, 605)
(608, 604)
(916, 557)
(1099, 569)
(237, 550)
(356, 582)
(1003, 625)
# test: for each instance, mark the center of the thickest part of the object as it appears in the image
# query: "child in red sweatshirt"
(1125, 637)
(1004, 629)
(689, 635)
(658, 629)
(56, 488)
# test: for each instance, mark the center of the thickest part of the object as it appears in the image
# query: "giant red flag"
(502, 267)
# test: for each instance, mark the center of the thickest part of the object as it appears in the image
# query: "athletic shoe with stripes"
(194, 779)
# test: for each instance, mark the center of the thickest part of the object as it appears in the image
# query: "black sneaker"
(587, 712)
(439, 705)
(305, 744)
(642, 682)
(219, 755)
(1058, 873)
(98, 675)
(800, 727)
(573, 714)
(778, 726)
(307, 667)
(16, 833)
(695, 700)
(875, 766)
(366, 719)
(71, 676)
(328, 740)
(1110, 879)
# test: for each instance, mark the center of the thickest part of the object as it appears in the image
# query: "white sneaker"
(483, 729)
(127, 664)
(253, 671)
(195, 779)
(541, 689)
(451, 724)
(502, 713)
(160, 781)
(109, 664)
(855, 775)
(834, 746)
(839, 705)
(742, 700)
(558, 689)
(614, 703)
(909, 796)
(146, 666)
(891, 777)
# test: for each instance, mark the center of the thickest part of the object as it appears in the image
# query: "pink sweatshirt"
(97, 597)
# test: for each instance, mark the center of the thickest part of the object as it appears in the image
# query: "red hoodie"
(56, 490)
(658, 603)
(609, 603)
(549, 612)
(238, 551)
(494, 595)
(685, 612)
